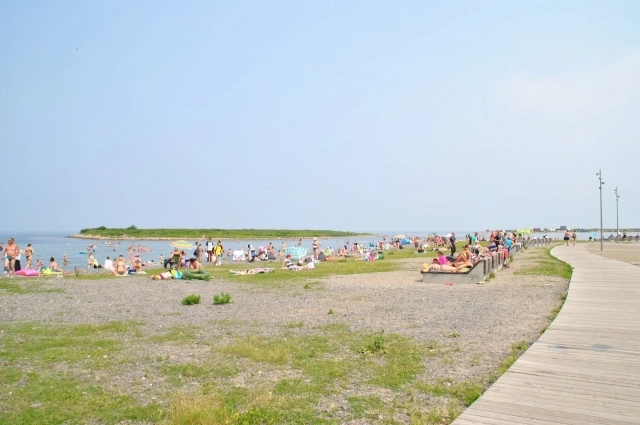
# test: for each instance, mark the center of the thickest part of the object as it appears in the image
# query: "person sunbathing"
(195, 264)
(54, 266)
(251, 271)
(286, 263)
(137, 263)
(438, 268)
(120, 268)
(175, 258)
(442, 259)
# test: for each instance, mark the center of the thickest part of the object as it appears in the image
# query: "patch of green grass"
(243, 406)
(365, 407)
(465, 391)
(283, 278)
(335, 355)
(44, 398)
(453, 335)
(9, 286)
(191, 299)
(330, 311)
(293, 325)
(223, 298)
(376, 344)
(44, 343)
(517, 349)
(178, 334)
(38, 387)
(547, 265)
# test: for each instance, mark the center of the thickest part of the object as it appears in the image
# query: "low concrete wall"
(479, 272)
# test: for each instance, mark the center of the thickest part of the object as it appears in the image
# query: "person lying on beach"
(426, 268)
(120, 267)
(287, 264)
(195, 264)
(251, 271)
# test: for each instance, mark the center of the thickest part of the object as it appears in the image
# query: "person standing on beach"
(209, 246)
(11, 252)
(28, 252)
(452, 243)
(198, 251)
(574, 236)
(64, 260)
(218, 251)
(316, 248)
(567, 237)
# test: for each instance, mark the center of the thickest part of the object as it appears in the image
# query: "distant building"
(537, 229)
(562, 228)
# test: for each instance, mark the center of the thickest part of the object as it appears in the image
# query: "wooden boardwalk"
(585, 369)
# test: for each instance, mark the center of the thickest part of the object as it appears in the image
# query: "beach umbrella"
(297, 252)
(594, 235)
(182, 244)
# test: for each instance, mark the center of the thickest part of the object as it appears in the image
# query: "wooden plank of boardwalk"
(585, 369)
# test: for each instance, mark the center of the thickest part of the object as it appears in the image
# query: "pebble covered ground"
(476, 324)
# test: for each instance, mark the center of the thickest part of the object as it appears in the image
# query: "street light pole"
(599, 174)
(617, 226)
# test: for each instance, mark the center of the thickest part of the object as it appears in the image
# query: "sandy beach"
(627, 252)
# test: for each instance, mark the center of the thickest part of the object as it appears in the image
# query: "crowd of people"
(214, 253)
(473, 252)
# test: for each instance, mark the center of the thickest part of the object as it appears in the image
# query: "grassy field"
(59, 374)
(134, 232)
(547, 265)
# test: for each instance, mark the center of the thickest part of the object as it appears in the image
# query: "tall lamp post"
(599, 174)
(617, 227)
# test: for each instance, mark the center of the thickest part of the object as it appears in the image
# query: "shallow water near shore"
(56, 244)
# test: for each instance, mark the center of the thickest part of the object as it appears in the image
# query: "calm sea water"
(55, 244)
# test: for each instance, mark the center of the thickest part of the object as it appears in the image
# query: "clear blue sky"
(355, 115)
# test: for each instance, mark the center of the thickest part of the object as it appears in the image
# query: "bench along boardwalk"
(585, 369)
